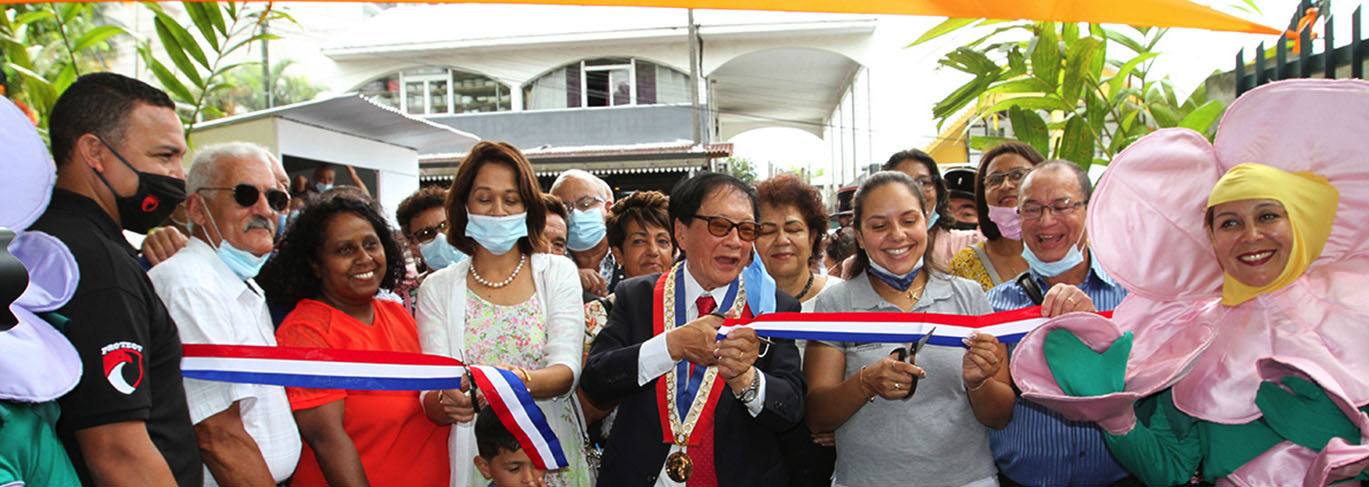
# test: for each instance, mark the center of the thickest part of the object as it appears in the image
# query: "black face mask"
(959, 225)
(154, 201)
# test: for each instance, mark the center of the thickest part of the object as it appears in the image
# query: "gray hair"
(583, 174)
(210, 158)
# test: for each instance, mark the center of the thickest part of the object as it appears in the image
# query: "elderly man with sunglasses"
(1039, 446)
(246, 433)
(694, 409)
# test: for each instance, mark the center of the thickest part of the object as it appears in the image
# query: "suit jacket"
(746, 449)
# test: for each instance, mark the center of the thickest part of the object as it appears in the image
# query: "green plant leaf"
(1116, 81)
(199, 16)
(1165, 115)
(169, 81)
(1095, 110)
(183, 38)
(1122, 39)
(33, 16)
(1031, 103)
(1069, 32)
(1202, 119)
(96, 35)
(215, 14)
(950, 25)
(1017, 62)
(984, 142)
(1046, 56)
(958, 99)
(249, 40)
(1028, 127)
(1025, 84)
(1076, 143)
(173, 49)
(1077, 67)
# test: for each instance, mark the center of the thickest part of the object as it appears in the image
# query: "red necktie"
(702, 454)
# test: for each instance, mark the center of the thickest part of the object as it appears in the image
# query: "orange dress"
(397, 443)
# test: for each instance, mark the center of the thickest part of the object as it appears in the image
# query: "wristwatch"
(752, 390)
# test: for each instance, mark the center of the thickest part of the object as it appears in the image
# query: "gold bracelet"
(439, 396)
(527, 378)
(861, 379)
(980, 386)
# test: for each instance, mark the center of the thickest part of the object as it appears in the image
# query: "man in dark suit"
(658, 356)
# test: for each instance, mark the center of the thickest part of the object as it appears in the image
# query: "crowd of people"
(607, 308)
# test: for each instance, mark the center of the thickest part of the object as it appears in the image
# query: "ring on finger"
(1070, 300)
(897, 386)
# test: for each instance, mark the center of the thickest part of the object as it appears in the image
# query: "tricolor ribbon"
(376, 370)
(511, 402)
(1007, 326)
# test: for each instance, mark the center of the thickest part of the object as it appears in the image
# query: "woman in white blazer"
(508, 305)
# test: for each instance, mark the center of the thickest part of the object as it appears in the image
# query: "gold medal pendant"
(679, 466)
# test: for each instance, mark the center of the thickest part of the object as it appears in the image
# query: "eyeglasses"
(720, 226)
(584, 203)
(427, 233)
(1061, 207)
(247, 195)
(996, 179)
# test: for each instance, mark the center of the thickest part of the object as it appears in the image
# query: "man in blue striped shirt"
(1040, 447)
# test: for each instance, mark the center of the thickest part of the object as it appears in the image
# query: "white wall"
(397, 166)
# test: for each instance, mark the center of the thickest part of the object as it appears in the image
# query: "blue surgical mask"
(281, 220)
(437, 253)
(1051, 269)
(586, 229)
(931, 220)
(497, 234)
(241, 262)
(897, 281)
(323, 187)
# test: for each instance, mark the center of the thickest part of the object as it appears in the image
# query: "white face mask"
(497, 234)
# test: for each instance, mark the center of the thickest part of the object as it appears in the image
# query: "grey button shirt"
(932, 438)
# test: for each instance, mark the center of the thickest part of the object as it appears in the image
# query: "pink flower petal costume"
(1196, 366)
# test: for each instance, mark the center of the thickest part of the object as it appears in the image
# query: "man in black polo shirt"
(118, 145)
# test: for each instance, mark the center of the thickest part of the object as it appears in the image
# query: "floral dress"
(516, 335)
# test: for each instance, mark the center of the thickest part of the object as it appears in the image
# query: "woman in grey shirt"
(938, 436)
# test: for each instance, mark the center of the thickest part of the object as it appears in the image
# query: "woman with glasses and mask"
(510, 305)
(333, 261)
(917, 421)
(998, 260)
(947, 241)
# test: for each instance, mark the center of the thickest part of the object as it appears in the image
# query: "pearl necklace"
(521, 259)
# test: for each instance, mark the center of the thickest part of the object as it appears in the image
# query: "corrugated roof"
(356, 115)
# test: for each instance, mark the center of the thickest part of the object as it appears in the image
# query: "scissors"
(906, 354)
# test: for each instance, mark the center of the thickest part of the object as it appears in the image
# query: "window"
(607, 82)
(439, 91)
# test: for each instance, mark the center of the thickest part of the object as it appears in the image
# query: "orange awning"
(1156, 13)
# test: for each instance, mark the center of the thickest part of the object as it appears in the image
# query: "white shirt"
(211, 305)
(653, 359)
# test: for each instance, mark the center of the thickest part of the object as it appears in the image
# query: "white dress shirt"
(653, 359)
(211, 305)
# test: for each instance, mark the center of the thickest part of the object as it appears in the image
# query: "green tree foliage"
(742, 168)
(1062, 92)
(45, 47)
(245, 94)
(201, 55)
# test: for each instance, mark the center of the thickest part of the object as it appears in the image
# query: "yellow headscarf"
(1311, 205)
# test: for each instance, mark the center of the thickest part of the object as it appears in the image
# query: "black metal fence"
(1306, 64)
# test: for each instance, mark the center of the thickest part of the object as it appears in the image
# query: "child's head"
(501, 458)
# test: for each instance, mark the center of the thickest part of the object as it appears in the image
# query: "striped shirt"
(1039, 446)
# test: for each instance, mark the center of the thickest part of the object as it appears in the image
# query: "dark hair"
(981, 202)
(876, 181)
(529, 191)
(647, 208)
(421, 201)
(943, 200)
(688, 195)
(491, 437)
(787, 190)
(556, 207)
(1081, 176)
(289, 276)
(98, 103)
(840, 244)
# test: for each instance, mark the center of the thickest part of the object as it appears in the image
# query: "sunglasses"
(721, 226)
(247, 195)
(427, 233)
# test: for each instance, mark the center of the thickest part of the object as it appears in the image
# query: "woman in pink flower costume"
(1238, 356)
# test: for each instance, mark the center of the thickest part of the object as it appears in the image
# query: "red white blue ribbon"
(509, 399)
(1007, 326)
(321, 368)
(375, 370)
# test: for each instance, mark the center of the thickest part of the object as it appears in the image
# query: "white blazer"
(442, 330)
